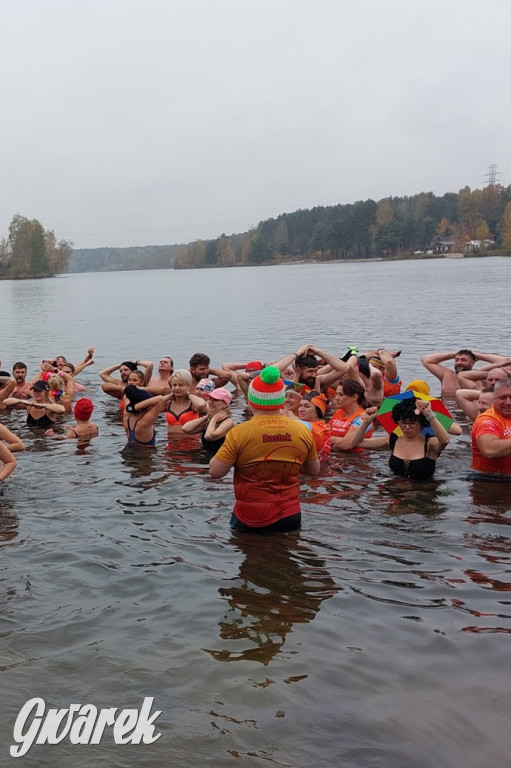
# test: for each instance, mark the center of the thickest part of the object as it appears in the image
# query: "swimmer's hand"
(424, 407)
(371, 414)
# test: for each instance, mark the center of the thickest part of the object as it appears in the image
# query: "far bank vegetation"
(30, 251)
(471, 222)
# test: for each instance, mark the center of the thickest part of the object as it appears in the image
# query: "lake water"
(379, 635)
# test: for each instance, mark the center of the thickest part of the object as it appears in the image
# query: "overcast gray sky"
(134, 122)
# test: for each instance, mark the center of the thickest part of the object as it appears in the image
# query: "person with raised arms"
(215, 423)
(413, 454)
(140, 414)
(200, 368)
(160, 384)
(115, 386)
(308, 371)
(464, 360)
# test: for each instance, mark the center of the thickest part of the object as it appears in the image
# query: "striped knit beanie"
(267, 391)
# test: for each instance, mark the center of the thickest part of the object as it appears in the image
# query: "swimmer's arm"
(219, 426)
(18, 401)
(148, 369)
(433, 363)
(52, 407)
(217, 468)
(441, 438)
(490, 358)
(69, 384)
(311, 467)
(144, 404)
(87, 360)
(221, 375)
(358, 438)
(286, 361)
(233, 366)
(198, 404)
(9, 462)
(79, 368)
(6, 390)
(196, 425)
(493, 447)
(467, 399)
(14, 444)
(466, 377)
(389, 361)
(337, 367)
(106, 374)
(244, 382)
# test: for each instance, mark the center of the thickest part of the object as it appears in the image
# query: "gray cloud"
(130, 122)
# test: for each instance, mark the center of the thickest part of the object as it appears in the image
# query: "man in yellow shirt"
(268, 452)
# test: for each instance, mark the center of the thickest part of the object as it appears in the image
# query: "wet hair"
(405, 411)
(69, 365)
(467, 352)
(306, 361)
(185, 376)
(351, 387)
(19, 364)
(199, 358)
(130, 365)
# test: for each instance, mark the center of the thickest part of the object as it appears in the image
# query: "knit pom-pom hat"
(267, 391)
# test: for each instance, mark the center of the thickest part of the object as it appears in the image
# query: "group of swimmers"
(337, 398)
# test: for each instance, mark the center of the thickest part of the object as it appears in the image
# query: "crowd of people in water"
(300, 409)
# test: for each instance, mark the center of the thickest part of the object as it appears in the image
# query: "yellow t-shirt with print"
(267, 453)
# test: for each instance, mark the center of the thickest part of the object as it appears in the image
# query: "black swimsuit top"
(211, 445)
(43, 422)
(416, 469)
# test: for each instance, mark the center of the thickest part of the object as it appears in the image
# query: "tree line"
(30, 251)
(114, 259)
(473, 220)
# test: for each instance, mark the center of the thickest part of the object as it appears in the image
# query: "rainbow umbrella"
(438, 408)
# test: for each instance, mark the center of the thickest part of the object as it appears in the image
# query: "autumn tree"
(506, 228)
(57, 252)
(31, 251)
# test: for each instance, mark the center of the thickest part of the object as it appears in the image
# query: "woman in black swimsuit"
(216, 423)
(414, 454)
(41, 412)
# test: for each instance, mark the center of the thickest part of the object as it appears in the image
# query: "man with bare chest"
(464, 360)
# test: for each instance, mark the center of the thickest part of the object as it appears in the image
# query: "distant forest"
(473, 222)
